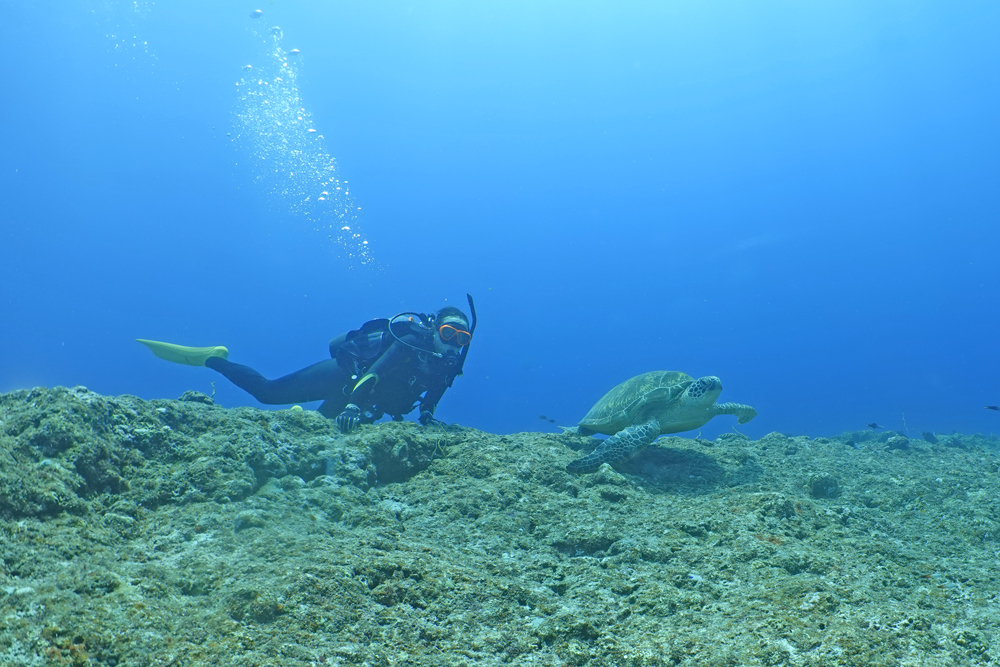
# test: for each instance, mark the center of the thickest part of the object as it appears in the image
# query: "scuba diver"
(386, 367)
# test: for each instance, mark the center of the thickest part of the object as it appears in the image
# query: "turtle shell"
(635, 400)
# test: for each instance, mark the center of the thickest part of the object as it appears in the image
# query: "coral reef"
(181, 533)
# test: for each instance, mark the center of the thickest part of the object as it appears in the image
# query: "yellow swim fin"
(179, 354)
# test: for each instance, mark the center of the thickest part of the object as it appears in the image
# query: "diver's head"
(451, 332)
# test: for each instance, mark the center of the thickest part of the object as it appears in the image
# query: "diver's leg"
(321, 381)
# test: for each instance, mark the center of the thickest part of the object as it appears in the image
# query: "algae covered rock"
(65, 446)
(179, 532)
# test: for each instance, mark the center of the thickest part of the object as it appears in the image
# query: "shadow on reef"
(678, 469)
(670, 465)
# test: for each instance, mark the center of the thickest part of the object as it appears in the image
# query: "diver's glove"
(349, 419)
(427, 419)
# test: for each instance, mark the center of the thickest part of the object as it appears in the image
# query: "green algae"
(182, 533)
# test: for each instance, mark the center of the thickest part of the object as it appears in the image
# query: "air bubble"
(289, 165)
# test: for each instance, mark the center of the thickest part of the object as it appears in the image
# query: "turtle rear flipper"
(744, 413)
(618, 447)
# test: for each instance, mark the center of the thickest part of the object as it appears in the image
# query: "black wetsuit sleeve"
(431, 397)
(360, 396)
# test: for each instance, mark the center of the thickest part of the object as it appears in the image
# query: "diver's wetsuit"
(407, 374)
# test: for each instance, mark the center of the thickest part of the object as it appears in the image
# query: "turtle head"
(704, 390)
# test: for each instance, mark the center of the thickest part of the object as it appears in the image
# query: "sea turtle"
(647, 406)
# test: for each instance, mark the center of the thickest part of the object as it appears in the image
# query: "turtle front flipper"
(744, 413)
(618, 447)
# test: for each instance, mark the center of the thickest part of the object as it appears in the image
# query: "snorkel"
(472, 332)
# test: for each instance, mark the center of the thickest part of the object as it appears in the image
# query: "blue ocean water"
(798, 199)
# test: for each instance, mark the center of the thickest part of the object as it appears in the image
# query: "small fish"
(993, 407)
(552, 421)
(543, 418)
(873, 426)
(851, 443)
(929, 437)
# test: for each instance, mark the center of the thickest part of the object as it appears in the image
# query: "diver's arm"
(366, 383)
(359, 408)
(428, 404)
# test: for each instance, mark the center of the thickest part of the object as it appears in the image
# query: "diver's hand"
(427, 419)
(349, 419)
